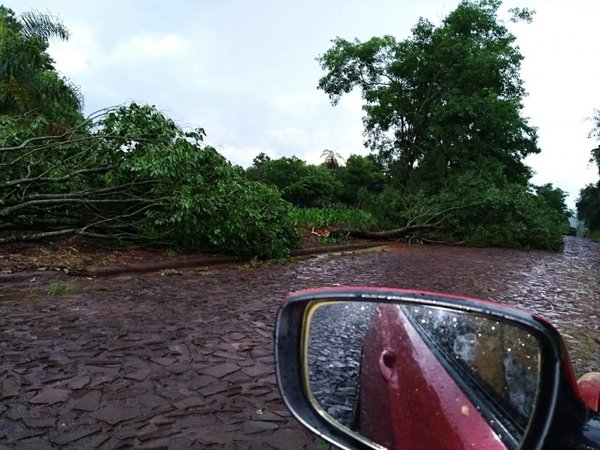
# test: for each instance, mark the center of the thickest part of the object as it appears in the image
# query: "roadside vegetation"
(588, 203)
(446, 163)
(335, 217)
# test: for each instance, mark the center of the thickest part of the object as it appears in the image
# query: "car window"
(498, 363)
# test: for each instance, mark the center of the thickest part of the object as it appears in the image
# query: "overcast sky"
(246, 70)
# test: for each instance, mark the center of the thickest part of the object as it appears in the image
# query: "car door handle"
(387, 361)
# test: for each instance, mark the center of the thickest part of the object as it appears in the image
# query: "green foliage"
(255, 171)
(283, 172)
(57, 288)
(128, 173)
(394, 207)
(503, 215)
(132, 174)
(515, 218)
(595, 236)
(588, 203)
(204, 201)
(471, 210)
(443, 115)
(447, 99)
(331, 159)
(316, 187)
(360, 172)
(28, 82)
(334, 216)
(588, 207)
(443, 112)
(230, 214)
(29, 164)
(300, 183)
(554, 198)
(521, 14)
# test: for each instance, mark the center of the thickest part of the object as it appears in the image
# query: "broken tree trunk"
(385, 234)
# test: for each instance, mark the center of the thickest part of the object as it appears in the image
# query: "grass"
(340, 216)
(595, 236)
(34, 293)
(482, 287)
(61, 287)
(171, 253)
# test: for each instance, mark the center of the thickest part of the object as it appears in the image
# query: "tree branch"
(102, 191)
(11, 209)
(66, 177)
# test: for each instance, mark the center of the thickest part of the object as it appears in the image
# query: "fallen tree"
(130, 175)
(423, 225)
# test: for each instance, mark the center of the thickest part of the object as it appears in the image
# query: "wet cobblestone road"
(185, 361)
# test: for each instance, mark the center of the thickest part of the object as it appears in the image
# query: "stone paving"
(179, 360)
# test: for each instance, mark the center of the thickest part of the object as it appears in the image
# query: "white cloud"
(151, 46)
(75, 56)
(560, 76)
(243, 155)
(299, 103)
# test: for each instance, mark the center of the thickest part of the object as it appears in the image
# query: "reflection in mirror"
(414, 376)
(335, 340)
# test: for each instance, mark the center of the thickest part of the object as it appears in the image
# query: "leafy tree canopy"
(331, 159)
(255, 171)
(360, 172)
(588, 206)
(29, 84)
(449, 98)
(131, 175)
(316, 187)
(300, 183)
(588, 203)
(443, 113)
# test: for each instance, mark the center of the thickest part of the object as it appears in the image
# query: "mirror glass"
(406, 375)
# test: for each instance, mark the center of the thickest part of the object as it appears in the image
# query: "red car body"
(407, 398)
(414, 394)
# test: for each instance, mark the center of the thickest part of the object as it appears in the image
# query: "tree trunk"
(385, 234)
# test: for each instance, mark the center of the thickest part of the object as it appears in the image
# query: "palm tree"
(28, 81)
(331, 159)
(42, 26)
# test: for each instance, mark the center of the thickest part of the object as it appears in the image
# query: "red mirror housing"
(589, 390)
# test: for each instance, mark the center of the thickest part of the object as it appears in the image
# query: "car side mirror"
(380, 368)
